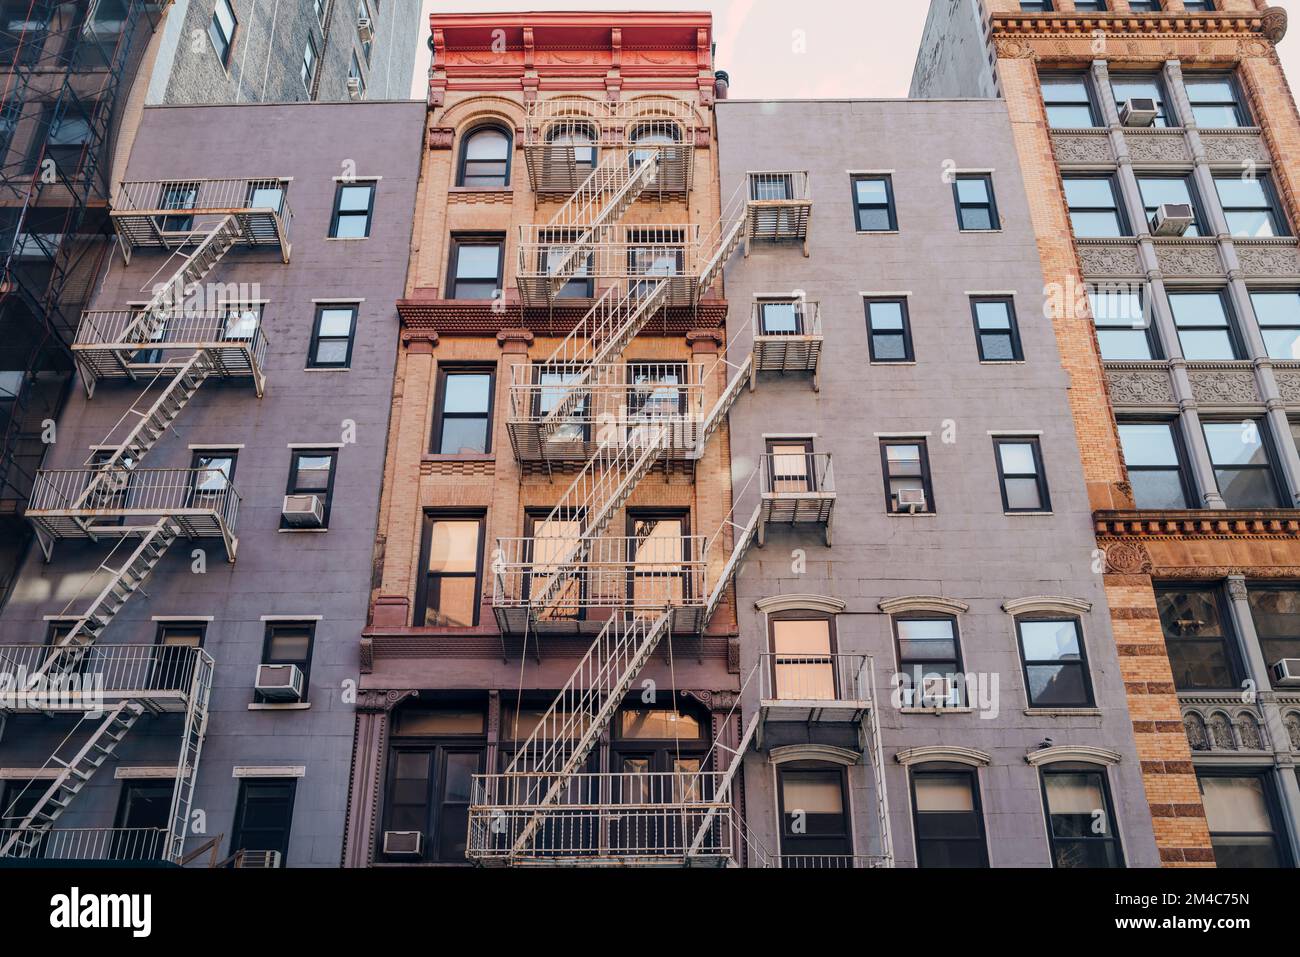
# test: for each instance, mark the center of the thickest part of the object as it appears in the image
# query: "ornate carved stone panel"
(1129, 387)
(1218, 723)
(1189, 259)
(1268, 259)
(1157, 147)
(1234, 147)
(1224, 386)
(1109, 259)
(1075, 148)
(1288, 383)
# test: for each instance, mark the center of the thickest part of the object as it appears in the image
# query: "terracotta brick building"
(549, 332)
(1158, 143)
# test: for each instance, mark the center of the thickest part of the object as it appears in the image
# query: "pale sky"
(850, 48)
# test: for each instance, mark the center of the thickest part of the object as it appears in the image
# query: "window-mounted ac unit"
(911, 499)
(303, 511)
(403, 844)
(1138, 111)
(1287, 672)
(365, 29)
(354, 87)
(1172, 219)
(279, 682)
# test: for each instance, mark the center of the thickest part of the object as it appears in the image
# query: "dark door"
(264, 816)
(143, 815)
(814, 814)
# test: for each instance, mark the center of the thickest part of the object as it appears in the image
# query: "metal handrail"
(110, 669)
(140, 491)
(787, 474)
(611, 393)
(616, 254)
(210, 195)
(814, 677)
(91, 844)
(615, 118)
(777, 186)
(807, 316)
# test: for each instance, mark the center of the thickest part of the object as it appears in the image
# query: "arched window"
(577, 135)
(485, 157)
(652, 133)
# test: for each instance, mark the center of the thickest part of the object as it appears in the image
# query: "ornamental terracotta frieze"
(1198, 524)
(1188, 259)
(1272, 258)
(1157, 147)
(1140, 386)
(1109, 258)
(1237, 147)
(1269, 25)
(1073, 148)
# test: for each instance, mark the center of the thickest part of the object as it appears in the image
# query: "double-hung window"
(873, 204)
(452, 556)
(290, 643)
(1278, 315)
(1094, 207)
(1205, 329)
(1124, 329)
(1020, 472)
(1159, 190)
(929, 661)
(475, 269)
(1055, 663)
(889, 334)
(1214, 101)
(1275, 609)
(1249, 206)
(977, 209)
(354, 205)
(221, 30)
(947, 818)
(1068, 101)
(1081, 818)
(332, 337)
(996, 333)
(463, 414)
(1243, 814)
(1243, 467)
(906, 466)
(310, 57)
(1156, 466)
(311, 472)
(1198, 637)
(1143, 87)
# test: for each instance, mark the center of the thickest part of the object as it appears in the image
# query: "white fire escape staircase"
(145, 509)
(544, 809)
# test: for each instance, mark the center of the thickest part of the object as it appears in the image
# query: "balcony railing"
(597, 817)
(624, 255)
(779, 205)
(797, 488)
(203, 503)
(162, 212)
(122, 845)
(612, 399)
(647, 573)
(828, 861)
(787, 335)
(814, 677)
(232, 335)
(163, 675)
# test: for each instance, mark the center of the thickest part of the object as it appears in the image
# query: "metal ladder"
(124, 583)
(75, 774)
(187, 765)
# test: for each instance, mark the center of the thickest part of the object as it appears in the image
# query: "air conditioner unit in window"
(303, 511)
(1138, 111)
(1287, 672)
(939, 691)
(911, 499)
(365, 29)
(279, 682)
(403, 844)
(354, 87)
(1172, 219)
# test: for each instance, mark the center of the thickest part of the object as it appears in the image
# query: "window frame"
(905, 333)
(927, 485)
(310, 63)
(1230, 321)
(291, 487)
(304, 664)
(1264, 328)
(1013, 331)
(1272, 467)
(316, 338)
(995, 220)
(1054, 79)
(1281, 841)
(1232, 657)
(890, 207)
(1045, 501)
(339, 213)
(1186, 479)
(1155, 350)
(1254, 587)
(1121, 215)
(1164, 103)
(461, 240)
(1090, 692)
(241, 811)
(635, 514)
(440, 415)
(223, 57)
(937, 768)
(1069, 767)
(1277, 217)
(1239, 106)
(428, 517)
(1194, 200)
(463, 157)
(959, 667)
(832, 644)
(786, 834)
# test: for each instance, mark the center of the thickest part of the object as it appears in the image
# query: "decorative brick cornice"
(425, 317)
(1199, 524)
(1270, 23)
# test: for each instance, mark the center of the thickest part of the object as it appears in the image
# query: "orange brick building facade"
(495, 172)
(1238, 560)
